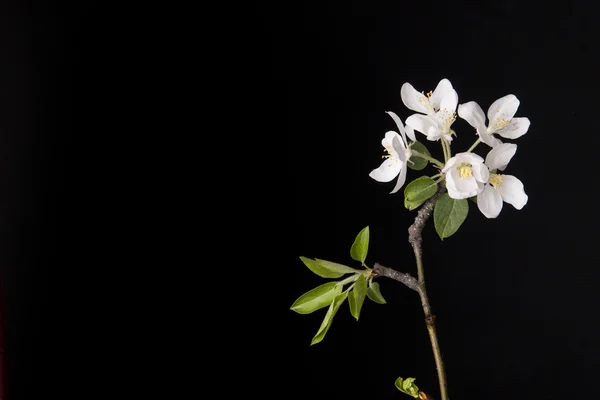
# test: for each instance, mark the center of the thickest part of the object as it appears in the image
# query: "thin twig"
(406, 279)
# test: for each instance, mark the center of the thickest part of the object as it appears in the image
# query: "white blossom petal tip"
(500, 156)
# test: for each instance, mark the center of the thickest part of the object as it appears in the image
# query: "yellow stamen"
(425, 99)
(500, 122)
(390, 155)
(496, 180)
(464, 170)
(447, 118)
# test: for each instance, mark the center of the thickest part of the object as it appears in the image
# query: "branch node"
(430, 320)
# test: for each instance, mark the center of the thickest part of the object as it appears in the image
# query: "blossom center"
(496, 180)
(425, 99)
(464, 170)
(446, 119)
(391, 154)
(500, 123)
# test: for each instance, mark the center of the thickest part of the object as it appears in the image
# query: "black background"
(102, 111)
(80, 92)
(515, 297)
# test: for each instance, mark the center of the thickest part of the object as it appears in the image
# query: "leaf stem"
(428, 158)
(474, 145)
(441, 178)
(444, 150)
(349, 288)
(349, 279)
(446, 147)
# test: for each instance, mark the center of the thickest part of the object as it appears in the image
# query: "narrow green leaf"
(418, 191)
(320, 269)
(449, 214)
(328, 320)
(356, 298)
(316, 298)
(473, 199)
(360, 247)
(407, 386)
(418, 163)
(335, 267)
(374, 294)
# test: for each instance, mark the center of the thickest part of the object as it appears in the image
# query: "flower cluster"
(466, 174)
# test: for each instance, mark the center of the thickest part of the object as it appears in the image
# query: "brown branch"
(401, 277)
(415, 238)
(415, 231)
(416, 241)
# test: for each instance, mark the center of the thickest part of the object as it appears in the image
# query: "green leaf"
(473, 199)
(340, 268)
(449, 214)
(319, 269)
(328, 320)
(410, 205)
(418, 163)
(327, 269)
(356, 298)
(407, 386)
(374, 294)
(418, 191)
(316, 298)
(360, 247)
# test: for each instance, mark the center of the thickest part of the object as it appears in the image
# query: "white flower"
(426, 104)
(398, 154)
(439, 105)
(466, 175)
(501, 187)
(501, 121)
(436, 125)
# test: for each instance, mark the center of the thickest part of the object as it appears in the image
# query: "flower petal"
(399, 124)
(470, 158)
(387, 171)
(425, 125)
(449, 101)
(451, 186)
(399, 147)
(480, 172)
(500, 156)
(413, 99)
(488, 138)
(489, 202)
(451, 163)
(410, 132)
(513, 192)
(517, 128)
(441, 90)
(501, 110)
(387, 140)
(401, 179)
(473, 114)
(461, 188)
